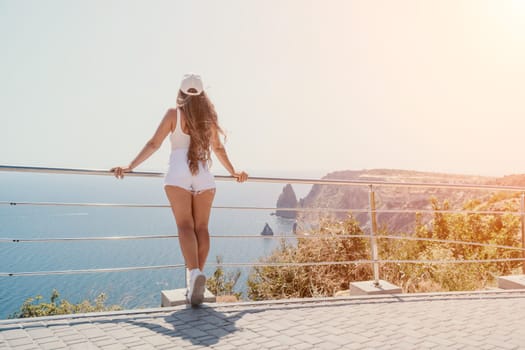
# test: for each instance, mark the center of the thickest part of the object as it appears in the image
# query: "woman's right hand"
(119, 171)
(240, 176)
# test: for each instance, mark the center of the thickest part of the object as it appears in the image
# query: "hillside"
(356, 198)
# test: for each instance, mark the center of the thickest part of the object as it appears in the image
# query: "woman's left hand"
(119, 171)
(241, 176)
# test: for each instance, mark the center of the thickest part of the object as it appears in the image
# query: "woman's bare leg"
(201, 216)
(181, 205)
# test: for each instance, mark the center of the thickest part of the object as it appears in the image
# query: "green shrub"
(222, 283)
(34, 307)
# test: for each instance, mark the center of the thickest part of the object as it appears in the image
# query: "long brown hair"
(201, 120)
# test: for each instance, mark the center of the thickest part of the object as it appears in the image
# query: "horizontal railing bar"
(328, 263)
(431, 211)
(343, 210)
(298, 236)
(435, 240)
(72, 171)
(84, 204)
(269, 179)
(85, 271)
(352, 262)
(93, 238)
(135, 205)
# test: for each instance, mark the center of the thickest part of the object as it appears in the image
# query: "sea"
(132, 289)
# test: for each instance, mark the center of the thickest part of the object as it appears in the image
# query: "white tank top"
(179, 140)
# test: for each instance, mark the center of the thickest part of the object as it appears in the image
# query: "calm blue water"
(129, 289)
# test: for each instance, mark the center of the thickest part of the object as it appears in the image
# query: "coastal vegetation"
(223, 283)
(35, 307)
(485, 221)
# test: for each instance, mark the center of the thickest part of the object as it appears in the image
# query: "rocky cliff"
(355, 199)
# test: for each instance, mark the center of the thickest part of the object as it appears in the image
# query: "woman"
(189, 185)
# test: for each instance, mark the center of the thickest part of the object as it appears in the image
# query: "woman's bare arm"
(220, 152)
(151, 146)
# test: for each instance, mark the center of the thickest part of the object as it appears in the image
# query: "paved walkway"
(489, 320)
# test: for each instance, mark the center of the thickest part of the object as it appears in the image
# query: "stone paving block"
(53, 345)
(440, 341)
(330, 346)
(270, 333)
(355, 338)
(73, 338)
(40, 333)
(156, 340)
(63, 331)
(141, 332)
(225, 347)
(18, 342)
(468, 347)
(25, 347)
(282, 347)
(502, 344)
(92, 333)
(46, 340)
(83, 346)
(194, 333)
(356, 346)
(218, 332)
(272, 344)
(303, 346)
(104, 341)
(309, 339)
(114, 347)
(141, 346)
(239, 342)
(427, 345)
(207, 340)
(467, 341)
(251, 346)
(285, 339)
(334, 330)
(248, 334)
(120, 334)
(411, 340)
(310, 322)
(131, 340)
(339, 339)
(261, 340)
(412, 334)
(171, 346)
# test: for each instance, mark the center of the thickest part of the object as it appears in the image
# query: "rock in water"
(267, 230)
(287, 199)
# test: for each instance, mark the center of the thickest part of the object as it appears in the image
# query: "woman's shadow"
(203, 325)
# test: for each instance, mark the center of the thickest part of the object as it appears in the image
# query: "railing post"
(373, 231)
(522, 216)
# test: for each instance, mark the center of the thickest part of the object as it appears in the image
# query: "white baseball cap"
(191, 81)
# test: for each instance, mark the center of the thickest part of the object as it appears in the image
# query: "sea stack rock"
(267, 230)
(287, 199)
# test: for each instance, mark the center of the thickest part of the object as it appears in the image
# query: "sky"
(301, 87)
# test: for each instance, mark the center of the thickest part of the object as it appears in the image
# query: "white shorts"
(179, 173)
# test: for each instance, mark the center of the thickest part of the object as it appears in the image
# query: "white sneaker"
(197, 288)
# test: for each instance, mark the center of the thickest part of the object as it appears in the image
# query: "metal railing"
(372, 212)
